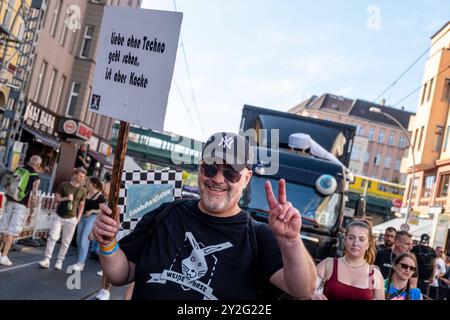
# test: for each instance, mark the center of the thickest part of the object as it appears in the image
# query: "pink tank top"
(336, 290)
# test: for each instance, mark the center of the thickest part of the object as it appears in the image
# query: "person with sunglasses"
(398, 285)
(210, 248)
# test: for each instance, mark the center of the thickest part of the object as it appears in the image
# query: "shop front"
(39, 137)
(73, 133)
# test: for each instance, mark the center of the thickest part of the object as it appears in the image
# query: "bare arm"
(59, 198)
(116, 267)
(80, 209)
(32, 199)
(379, 286)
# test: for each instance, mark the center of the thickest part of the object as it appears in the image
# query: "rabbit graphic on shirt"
(195, 266)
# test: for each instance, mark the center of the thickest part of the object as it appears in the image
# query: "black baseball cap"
(424, 238)
(228, 148)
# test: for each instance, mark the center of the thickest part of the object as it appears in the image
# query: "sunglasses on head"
(210, 170)
(407, 266)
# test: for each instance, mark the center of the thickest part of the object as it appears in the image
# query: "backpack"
(16, 188)
(266, 290)
(425, 256)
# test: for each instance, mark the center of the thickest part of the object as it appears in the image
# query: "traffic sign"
(404, 227)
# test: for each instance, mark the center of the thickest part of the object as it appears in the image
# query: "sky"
(276, 54)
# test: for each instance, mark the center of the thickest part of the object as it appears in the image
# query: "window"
(366, 158)
(429, 89)
(43, 17)
(381, 136)
(402, 141)
(55, 18)
(414, 190)
(391, 139)
(40, 78)
(60, 92)
(439, 137)
(446, 138)
(446, 95)
(420, 137)
(444, 180)
(359, 130)
(62, 39)
(74, 36)
(87, 40)
(86, 113)
(423, 94)
(398, 163)
(73, 98)
(377, 159)
(8, 14)
(415, 137)
(50, 89)
(355, 153)
(387, 162)
(428, 184)
(371, 133)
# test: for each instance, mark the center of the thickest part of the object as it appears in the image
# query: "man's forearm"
(116, 268)
(299, 268)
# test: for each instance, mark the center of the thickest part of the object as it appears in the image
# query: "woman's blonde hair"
(371, 252)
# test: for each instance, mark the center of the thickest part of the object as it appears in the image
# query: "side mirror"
(360, 207)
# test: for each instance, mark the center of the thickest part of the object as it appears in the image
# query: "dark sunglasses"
(210, 170)
(407, 266)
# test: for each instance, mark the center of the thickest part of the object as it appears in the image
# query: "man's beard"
(216, 203)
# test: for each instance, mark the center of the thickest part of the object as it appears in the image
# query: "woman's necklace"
(352, 266)
(398, 293)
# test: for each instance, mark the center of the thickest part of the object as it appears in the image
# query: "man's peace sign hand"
(284, 219)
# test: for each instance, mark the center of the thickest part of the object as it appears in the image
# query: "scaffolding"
(20, 45)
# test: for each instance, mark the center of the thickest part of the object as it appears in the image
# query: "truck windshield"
(324, 210)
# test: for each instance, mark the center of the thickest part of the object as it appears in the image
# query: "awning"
(424, 226)
(101, 158)
(44, 139)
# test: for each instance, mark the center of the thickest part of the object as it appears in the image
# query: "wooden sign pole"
(119, 161)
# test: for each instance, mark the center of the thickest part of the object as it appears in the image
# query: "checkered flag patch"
(173, 177)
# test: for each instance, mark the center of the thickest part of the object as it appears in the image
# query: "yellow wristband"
(110, 247)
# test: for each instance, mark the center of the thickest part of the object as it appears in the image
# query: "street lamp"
(378, 110)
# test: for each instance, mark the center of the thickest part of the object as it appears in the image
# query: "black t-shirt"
(384, 261)
(94, 203)
(425, 256)
(193, 255)
(78, 162)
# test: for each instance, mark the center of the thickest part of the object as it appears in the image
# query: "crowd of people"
(207, 248)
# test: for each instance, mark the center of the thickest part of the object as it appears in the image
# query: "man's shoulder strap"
(165, 212)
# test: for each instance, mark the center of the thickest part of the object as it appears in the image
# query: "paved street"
(25, 280)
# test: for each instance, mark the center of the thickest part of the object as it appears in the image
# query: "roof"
(357, 108)
(361, 110)
(442, 28)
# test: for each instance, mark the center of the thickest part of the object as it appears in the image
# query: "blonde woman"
(352, 277)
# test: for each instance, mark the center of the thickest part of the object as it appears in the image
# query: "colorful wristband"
(110, 249)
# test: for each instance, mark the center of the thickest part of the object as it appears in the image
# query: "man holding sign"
(210, 248)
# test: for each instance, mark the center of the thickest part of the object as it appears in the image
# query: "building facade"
(56, 120)
(19, 26)
(431, 130)
(379, 145)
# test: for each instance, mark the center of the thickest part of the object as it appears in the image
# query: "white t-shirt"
(440, 268)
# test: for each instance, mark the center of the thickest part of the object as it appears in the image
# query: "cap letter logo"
(226, 142)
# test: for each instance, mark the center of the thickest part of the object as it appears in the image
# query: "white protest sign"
(134, 65)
